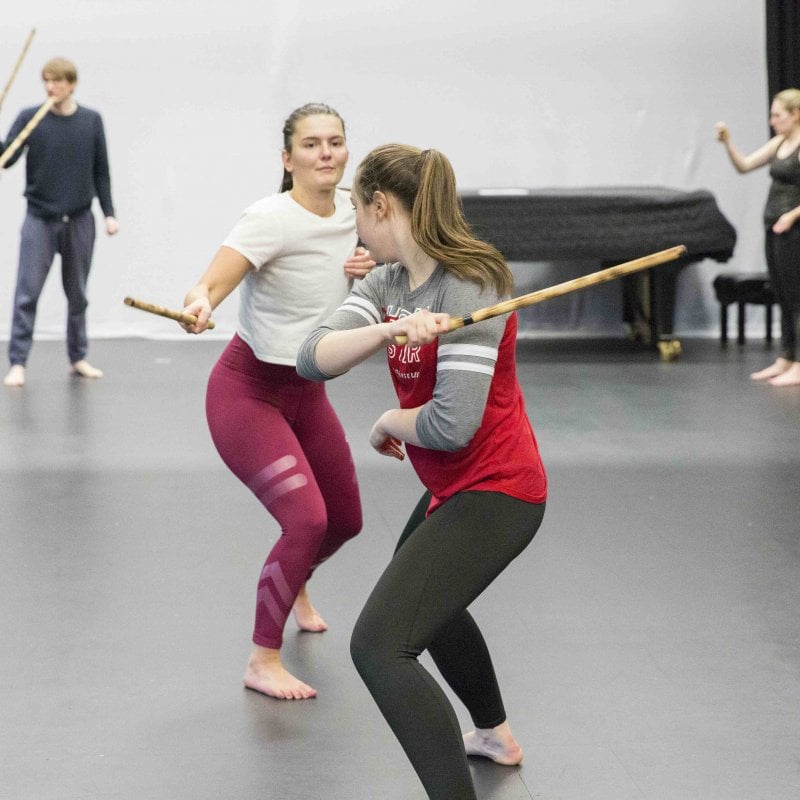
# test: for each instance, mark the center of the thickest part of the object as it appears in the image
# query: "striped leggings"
(278, 433)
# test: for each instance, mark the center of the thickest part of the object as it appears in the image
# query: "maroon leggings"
(278, 433)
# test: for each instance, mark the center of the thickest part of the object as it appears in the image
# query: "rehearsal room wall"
(544, 94)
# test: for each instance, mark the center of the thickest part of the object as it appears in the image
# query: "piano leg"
(663, 281)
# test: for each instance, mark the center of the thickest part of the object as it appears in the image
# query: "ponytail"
(424, 182)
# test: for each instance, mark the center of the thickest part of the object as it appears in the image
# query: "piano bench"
(743, 288)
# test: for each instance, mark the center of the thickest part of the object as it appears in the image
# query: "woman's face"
(782, 120)
(319, 152)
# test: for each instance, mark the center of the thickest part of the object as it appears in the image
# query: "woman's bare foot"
(266, 674)
(15, 376)
(86, 370)
(306, 616)
(791, 377)
(497, 744)
(780, 366)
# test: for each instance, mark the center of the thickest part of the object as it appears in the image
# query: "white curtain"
(194, 94)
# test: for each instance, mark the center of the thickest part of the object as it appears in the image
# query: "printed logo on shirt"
(405, 362)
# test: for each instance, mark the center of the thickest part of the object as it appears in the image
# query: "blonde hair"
(60, 68)
(789, 99)
(424, 182)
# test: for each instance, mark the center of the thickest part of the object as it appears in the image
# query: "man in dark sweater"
(66, 168)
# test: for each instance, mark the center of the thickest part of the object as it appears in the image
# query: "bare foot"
(266, 674)
(85, 370)
(497, 744)
(791, 377)
(780, 366)
(306, 616)
(15, 376)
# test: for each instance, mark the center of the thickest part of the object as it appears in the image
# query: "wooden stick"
(18, 64)
(178, 316)
(603, 275)
(27, 130)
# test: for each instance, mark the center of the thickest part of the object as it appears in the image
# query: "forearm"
(224, 274)
(738, 160)
(746, 163)
(787, 220)
(214, 293)
(198, 292)
(400, 423)
(793, 216)
(339, 351)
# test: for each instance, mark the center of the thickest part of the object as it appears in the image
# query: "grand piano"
(610, 225)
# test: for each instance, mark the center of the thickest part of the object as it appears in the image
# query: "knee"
(314, 527)
(26, 301)
(368, 651)
(352, 526)
(376, 648)
(77, 305)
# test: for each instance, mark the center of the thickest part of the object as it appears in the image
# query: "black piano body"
(609, 225)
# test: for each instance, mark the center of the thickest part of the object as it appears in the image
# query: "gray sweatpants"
(71, 237)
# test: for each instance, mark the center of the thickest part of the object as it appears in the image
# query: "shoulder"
(380, 279)
(26, 114)
(465, 295)
(271, 204)
(86, 119)
(342, 196)
(86, 113)
(344, 207)
(774, 143)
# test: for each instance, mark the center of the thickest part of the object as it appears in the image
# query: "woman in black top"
(782, 231)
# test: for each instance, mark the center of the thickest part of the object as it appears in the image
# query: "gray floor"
(647, 642)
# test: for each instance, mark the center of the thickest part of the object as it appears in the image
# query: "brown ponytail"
(424, 182)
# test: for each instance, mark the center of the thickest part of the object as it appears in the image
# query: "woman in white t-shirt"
(294, 256)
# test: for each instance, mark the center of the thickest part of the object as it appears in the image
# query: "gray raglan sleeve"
(465, 367)
(360, 308)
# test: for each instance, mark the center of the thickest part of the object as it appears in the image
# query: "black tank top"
(784, 191)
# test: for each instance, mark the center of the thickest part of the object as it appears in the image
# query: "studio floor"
(647, 642)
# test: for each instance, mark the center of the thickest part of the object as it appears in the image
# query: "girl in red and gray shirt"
(463, 423)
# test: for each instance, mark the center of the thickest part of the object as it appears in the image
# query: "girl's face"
(782, 120)
(319, 152)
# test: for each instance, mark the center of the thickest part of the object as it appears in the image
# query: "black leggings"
(783, 262)
(440, 566)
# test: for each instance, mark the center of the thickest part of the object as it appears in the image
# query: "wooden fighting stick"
(178, 316)
(18, 64)
(27, 130)
(592, 279)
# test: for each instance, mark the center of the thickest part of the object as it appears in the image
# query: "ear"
(381, 203)
(286, 157)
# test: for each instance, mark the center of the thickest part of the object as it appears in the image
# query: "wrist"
(386, 333)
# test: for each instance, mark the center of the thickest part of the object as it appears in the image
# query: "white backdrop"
(548, 93)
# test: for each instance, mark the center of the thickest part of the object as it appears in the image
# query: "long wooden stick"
(27, 130)
(592, 279)
(178, 316)
(18, 64)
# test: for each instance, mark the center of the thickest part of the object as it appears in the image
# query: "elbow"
(459, 437)
(453, 439)
(306, 363)
(448, 432)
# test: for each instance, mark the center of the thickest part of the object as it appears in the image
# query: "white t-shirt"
(299, 278)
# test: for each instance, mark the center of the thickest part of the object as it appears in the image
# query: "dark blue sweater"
(67, 163)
